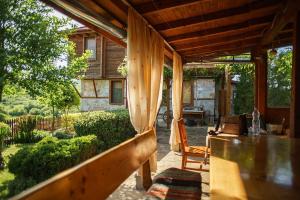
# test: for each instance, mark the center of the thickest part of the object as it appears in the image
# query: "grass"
(5, 175)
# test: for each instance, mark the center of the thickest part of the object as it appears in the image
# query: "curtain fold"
(176, 101)
(145, 51)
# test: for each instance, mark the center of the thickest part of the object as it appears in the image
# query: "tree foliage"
(279, 78)
(32, 42)
(243, 101)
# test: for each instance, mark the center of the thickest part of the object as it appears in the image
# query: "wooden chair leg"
(183, 163)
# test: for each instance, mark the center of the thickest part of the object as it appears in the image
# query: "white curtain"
(176, 101)
(145, 51)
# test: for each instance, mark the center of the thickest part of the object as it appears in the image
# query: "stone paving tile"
(166, 159)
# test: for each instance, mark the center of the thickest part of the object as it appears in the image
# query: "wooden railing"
(99, 176)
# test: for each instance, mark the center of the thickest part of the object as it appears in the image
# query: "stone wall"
(89, 102)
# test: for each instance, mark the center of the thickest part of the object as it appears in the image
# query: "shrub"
(4, 117)
(62, 134)
(26, 127)
(35, 111)
(19, 184)
(50, 156)
(38, 135)
(4, 132)
(18, 110)
(110, 127)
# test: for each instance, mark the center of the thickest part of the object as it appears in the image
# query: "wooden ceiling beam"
(218, 15)
(96, 8)
(225, 40)
(115, 34)
(220, 40)
(282, 18)
(224, 47)
(155, 6)
(233, 27)
(235, 51)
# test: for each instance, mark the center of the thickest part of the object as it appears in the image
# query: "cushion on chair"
(197, 149)
(175, 183)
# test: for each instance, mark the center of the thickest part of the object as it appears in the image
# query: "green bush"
(4, 117)
(19, 184)
(62, 134)
(26, 127)
(4, 131)
(38, 135)
(18, 110)
(50, 156)
(111, 127)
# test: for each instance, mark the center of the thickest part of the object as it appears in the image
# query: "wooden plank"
(218, 15)
(295, 95)
(225, 45)
(217, 48)
(233, 27)
(219, 40)
(99, 176)
(159, 6)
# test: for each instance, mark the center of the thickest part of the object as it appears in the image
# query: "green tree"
(31, 42)
(60, 97)
(243, 101)
(279, 78)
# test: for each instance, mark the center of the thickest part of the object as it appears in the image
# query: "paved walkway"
(166, 159)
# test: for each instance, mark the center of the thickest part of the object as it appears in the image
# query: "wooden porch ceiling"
(200, 29)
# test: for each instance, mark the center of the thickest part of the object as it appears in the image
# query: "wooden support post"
(168, 102)
(228, 92)
(146, 175)
(261, 71)
(295, 95)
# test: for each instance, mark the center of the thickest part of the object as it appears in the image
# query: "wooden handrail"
(99, 176)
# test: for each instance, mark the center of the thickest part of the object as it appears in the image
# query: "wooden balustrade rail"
(99, 176)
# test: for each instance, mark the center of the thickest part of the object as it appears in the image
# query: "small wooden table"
(194, 114)
(261, 167)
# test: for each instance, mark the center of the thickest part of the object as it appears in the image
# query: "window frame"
(111, 88)
(85, 46)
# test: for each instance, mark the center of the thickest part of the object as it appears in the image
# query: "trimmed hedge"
(111, 127)
(51, 155)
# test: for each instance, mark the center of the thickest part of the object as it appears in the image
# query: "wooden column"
(168, 102)
(228, 92)
(261, 72)
(295, 95)
(146, 175)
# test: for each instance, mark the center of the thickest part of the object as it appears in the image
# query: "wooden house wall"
(114, 56)
(108, 56)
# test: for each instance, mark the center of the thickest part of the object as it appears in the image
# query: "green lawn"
(5, 175)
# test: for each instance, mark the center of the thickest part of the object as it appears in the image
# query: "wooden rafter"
(225, 40)
(218, 15)
(220, 40)
(158, 6)
(217, 47)
(282, 18)
(233, 27)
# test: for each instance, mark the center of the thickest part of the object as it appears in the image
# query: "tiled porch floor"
(166, 159)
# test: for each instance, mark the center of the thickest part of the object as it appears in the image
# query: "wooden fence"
(41, 124)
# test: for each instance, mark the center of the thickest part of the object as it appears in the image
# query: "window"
(187, 93)
(116, 92)
(90, 44)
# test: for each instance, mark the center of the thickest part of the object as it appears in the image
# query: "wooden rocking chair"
(192, 151)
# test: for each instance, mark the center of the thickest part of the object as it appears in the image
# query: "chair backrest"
(182, 133)
(231, 125)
